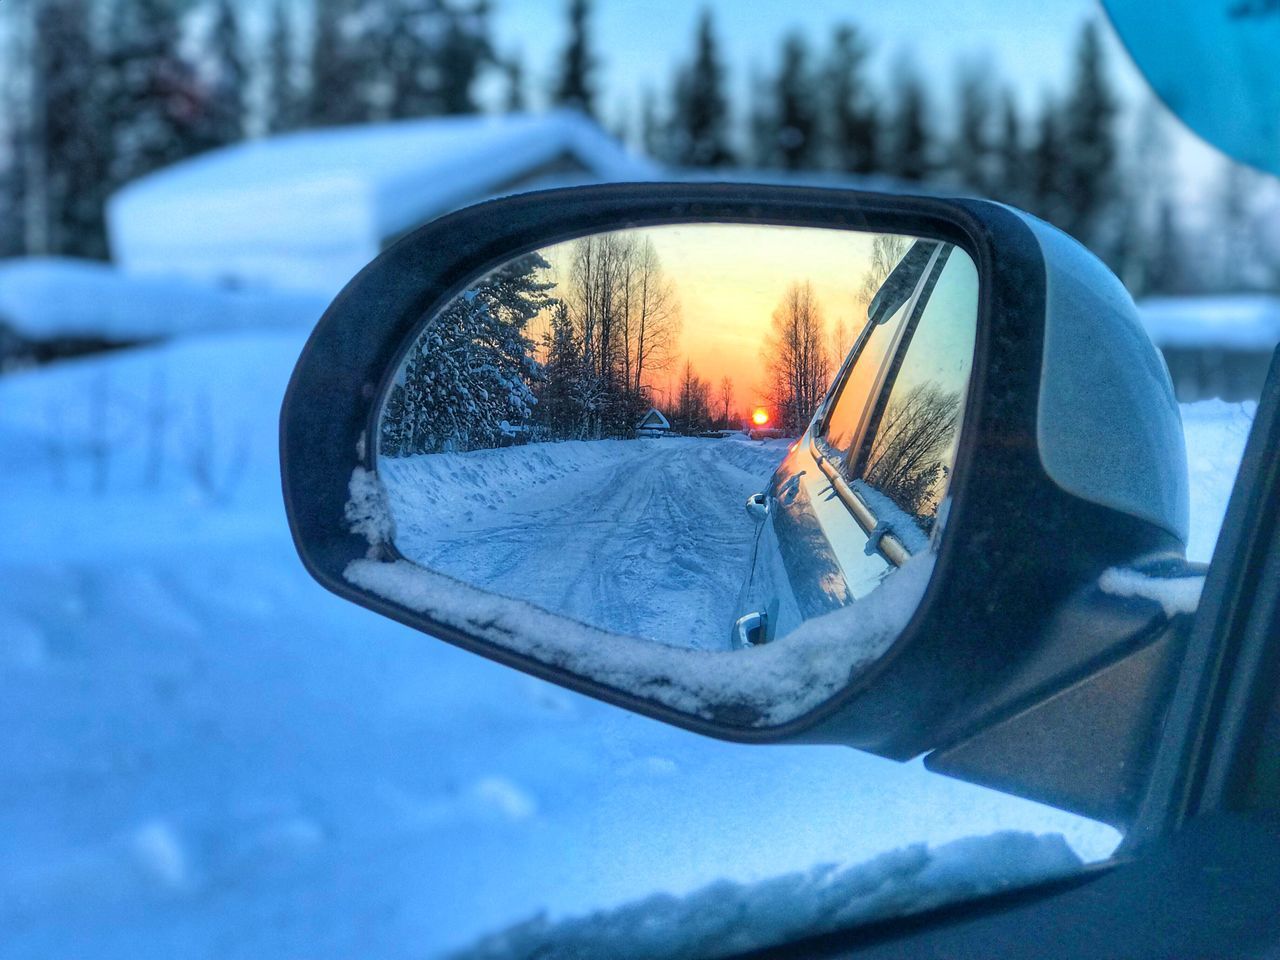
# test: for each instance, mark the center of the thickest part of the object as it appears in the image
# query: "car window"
(907, 456)
(885, 317)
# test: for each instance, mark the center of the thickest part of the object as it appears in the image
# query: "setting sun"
(760, 417)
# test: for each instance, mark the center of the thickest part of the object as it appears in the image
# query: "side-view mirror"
(522, 429)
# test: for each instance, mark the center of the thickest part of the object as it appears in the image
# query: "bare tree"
(726, 398)
(906, 462)
(886, 250)
(795, 355)
(626, 317)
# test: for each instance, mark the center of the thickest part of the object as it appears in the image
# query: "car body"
(838, 516)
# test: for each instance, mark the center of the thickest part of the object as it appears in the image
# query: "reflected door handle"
(749, 630)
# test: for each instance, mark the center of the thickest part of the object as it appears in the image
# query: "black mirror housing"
(1018, 542)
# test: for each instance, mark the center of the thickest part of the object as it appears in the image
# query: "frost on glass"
(568, 447)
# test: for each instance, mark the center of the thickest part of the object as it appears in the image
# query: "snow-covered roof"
(654, 420)
(310, 208)
(47, 297)
(1232, 322)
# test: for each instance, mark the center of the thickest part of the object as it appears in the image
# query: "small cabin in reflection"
(1215, 346)
(653, 424)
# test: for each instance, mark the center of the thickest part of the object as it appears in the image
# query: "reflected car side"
(863, 488)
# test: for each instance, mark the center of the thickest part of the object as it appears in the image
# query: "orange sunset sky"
(729, 278)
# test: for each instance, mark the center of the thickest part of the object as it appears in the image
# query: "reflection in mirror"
(582, 427)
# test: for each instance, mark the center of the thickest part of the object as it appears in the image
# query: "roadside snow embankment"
(42, 298)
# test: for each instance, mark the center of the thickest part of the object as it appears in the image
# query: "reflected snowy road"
(647, 538)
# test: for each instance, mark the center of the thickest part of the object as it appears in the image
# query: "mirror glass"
(704, 436)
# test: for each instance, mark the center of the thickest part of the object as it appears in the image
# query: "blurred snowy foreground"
(206, 755)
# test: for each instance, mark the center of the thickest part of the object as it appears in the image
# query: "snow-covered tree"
(470, 376)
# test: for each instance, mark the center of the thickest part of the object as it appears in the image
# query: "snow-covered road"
(642, 537)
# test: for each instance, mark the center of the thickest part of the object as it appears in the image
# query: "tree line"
(481, 375)
(96, 94)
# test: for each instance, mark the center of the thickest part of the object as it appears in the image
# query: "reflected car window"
(910, 449)
(842, 426)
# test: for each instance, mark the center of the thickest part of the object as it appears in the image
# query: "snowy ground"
(646, 538)
(205, 755)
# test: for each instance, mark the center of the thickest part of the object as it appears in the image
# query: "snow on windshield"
(727, 918)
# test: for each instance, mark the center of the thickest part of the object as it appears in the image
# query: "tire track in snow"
(653, 544)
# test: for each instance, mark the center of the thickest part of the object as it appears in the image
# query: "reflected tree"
(907, 460)
(469, 378)
(795, 356)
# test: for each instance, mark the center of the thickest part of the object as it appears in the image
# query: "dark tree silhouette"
(575, 87)
(700, 122)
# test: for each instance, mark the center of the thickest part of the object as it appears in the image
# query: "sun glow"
(760, 417)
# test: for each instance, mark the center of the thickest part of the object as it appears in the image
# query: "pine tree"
(1047, 167)
(1167, 269)
(762, 125)
(561, 407)
(575, 88)
(471, 376)
(464, 51)
(283, 97)
(155, 108)
(700, 133)
(798, 145)
(68, 133)
(1011, 179)
(514, 100)
(1090, 146)
(909, 154)
(226, 116)
(13, 182)
(854, 119)
(971, 145)
(341, 65)
(654, 132)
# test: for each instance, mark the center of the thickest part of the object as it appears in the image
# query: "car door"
(818, 548)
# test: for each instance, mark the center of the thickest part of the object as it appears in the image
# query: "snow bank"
(309, 209)
(1216, 432)
(1238, 322)
(728, 918)
(46, 297)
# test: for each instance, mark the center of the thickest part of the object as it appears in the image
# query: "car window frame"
(910, 304)
(832, 463)
(894, 362)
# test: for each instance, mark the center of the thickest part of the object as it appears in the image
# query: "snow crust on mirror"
(727, 918)
(761, 686)
(1175, 594)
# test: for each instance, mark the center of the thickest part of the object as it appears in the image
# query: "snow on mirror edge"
(764, 686)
